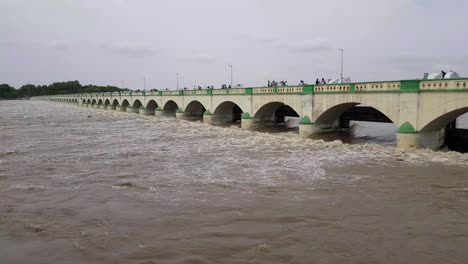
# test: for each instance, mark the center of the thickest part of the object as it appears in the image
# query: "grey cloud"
(132, 49)
(297, 40)
(266, 40)
(58, 45)
(202, 58)
(417, 62)
(310, 46)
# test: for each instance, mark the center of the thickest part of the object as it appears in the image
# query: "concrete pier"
(133, 110)
(121, 108)
(180, 115)
(144, 112)
(208, 119)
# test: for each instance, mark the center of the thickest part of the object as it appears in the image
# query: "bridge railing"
(173, 93)
(439, 85)
(198, 92)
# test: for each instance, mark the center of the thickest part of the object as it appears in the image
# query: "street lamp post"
(231, 73)
(177, 74)
(341, 75)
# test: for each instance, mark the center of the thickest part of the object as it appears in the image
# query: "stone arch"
(137, 104)
(107, 102)
(228, 112)
(274, 113)
(151, 105)
(331, 117)
(170, 108)
(439, 131)
(115, 102)
(100, 102)
(93, 102)
(443, 120)
(125, 103)
(194, 109)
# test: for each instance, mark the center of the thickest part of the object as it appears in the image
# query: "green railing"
(404, 86)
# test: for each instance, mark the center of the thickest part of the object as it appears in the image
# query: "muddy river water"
(93, 186)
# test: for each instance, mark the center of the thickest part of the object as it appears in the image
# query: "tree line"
(71, 87)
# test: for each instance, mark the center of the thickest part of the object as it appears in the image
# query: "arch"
(195, 108)
(170, 108)
(332, 116)
(100, 102)
(83, 101)
(443, 120)
(275, 112)
(137, 104)
(125, 103)
(115, 102)
(107, 102)
(93, 102)
(228, 111)
(151, 105)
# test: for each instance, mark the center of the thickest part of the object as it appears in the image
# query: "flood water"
(93, 186)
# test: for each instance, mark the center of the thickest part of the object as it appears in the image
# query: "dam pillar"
(158, 111)
(85, 105)
(180, 114)
(110, 107)
(307, 128)
(408, 140)
(121, 108)
(246, 121)
(144, 112)
(132, 110)
(408, 137)
(208, 117)
(101, 106)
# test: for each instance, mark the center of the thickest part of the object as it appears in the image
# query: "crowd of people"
(225, 86)
(275, 83)
(211, 87)
(285, 83)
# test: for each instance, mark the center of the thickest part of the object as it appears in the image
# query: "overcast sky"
(107, 41)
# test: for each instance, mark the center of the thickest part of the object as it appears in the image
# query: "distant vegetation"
(72, 87)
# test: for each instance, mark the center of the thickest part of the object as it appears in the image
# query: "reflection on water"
(93, 186)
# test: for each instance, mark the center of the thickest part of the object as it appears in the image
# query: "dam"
(421, 109)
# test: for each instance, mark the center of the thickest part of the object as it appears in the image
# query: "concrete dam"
(422, 110)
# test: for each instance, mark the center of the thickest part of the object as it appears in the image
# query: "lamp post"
(341, 75)
(177, 75)
(231, 73)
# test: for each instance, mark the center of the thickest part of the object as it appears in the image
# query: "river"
(93, 186)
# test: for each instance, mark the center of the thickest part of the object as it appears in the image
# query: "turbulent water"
(93, 186)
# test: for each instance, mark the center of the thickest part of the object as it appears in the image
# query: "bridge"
(421, 109)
